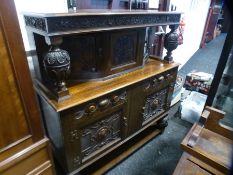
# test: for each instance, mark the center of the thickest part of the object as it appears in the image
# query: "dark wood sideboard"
(24, 149)
(97, 85)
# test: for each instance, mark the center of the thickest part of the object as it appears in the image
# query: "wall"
(195, 15)
(45, 6)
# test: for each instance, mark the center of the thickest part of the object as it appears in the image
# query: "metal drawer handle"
(102, 133)
(115, 99)
(104, 103)
(91, 109)
(161, 78)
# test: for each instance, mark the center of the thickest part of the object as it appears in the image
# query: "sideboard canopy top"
(84, 21)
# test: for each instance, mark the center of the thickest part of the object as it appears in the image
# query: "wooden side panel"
(23, 117)
(12, 116)
(32, 160)
(23, 148)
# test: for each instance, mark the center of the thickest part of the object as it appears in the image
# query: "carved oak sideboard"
(97, 86)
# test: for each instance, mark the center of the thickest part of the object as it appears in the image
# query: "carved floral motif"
(155, 104)
(100, 133)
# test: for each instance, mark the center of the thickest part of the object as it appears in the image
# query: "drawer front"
(159, 82)
(94, 127)
(95, 108)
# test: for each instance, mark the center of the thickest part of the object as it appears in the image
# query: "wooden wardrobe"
(23, 146)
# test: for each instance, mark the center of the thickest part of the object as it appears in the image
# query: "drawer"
(94, 109)
(159, 82)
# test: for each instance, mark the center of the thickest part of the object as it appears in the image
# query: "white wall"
(45, 6)
(195, 15)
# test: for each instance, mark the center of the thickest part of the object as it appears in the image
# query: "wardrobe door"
(23, 147)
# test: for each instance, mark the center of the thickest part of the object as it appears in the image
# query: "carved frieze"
(80, 23)
(35, 22)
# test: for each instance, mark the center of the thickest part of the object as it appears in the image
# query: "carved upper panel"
(88, 22)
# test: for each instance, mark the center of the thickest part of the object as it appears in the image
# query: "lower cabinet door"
(91, 130)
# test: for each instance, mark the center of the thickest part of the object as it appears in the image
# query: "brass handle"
(91, 109)
(161, 78)
(102, 133)
(115, 99)
(168, 76)
(147, 86)
(104, 103)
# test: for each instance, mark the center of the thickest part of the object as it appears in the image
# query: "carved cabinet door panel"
(91, 129)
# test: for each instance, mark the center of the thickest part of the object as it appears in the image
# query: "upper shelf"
(83, 21)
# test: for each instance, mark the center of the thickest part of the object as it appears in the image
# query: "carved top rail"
(83, 21)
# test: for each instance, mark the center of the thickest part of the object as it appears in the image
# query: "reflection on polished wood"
(83, 92)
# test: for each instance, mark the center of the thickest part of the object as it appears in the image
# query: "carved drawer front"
(155, 104)
(159, 82)
(99, 106)
(101, 134)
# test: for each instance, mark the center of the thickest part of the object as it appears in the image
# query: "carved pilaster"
(57, 65)
(74, 135)
(76, 161)
(170, 43)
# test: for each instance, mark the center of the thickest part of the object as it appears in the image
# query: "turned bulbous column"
(170, 43)
(57, 66)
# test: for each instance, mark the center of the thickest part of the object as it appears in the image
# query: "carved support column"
(57, 65)
(170, 43)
